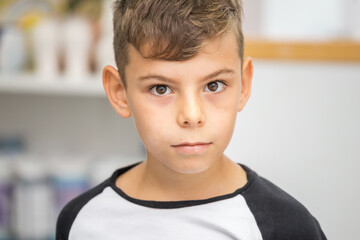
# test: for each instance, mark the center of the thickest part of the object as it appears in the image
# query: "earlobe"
(115, 91)
(246, 80)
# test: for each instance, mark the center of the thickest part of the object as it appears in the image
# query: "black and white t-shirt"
(259, 210)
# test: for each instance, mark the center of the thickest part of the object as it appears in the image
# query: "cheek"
(226, 100)
(224, 123)
(223, 112)
(224, 104)
(152, 123)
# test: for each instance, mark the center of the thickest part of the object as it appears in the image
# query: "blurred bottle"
(33, 201)
(12, 50)
(76, 38)
(5, 197)
(70, 179)
(103, 167)
(104, 48)
(12, 145)
(45, 46)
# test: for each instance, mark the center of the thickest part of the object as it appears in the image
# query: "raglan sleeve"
(69, 213)
(318, 232)
(65, 221)
(278, 215)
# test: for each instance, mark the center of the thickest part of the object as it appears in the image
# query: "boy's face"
(175, 104)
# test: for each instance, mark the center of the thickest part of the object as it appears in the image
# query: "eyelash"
(164, 85)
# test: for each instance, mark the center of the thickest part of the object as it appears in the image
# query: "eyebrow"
(166, 79)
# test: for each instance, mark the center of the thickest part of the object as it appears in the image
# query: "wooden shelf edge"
(318, 51)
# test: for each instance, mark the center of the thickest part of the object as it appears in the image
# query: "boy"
(183, 78)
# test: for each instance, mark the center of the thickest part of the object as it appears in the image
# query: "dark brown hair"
(172, 30)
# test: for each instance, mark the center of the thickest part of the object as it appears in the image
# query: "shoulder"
(279, 215)
(70, 211)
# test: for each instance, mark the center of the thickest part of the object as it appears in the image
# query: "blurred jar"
(33, 207)
(104, 49)
(76, 38)
(46, 48)
(12, 50)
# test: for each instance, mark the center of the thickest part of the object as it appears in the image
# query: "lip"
(191, 148)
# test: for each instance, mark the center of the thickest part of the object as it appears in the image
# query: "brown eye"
(160, 90)
(213, 86)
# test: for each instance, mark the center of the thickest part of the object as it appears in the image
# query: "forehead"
(217, 53)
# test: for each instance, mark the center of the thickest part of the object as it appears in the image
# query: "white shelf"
(31, 84)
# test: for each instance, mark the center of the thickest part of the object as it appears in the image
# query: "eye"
(215, 86)
(160, 90)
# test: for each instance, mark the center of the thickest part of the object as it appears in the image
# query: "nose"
(191, 112)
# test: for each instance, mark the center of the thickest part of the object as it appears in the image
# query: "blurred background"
(59, 135)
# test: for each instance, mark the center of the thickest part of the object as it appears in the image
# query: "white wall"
(301, 130)
(302, 20)
(305, 19)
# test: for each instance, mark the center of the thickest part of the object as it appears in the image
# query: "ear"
(115, 91)
(246, 80)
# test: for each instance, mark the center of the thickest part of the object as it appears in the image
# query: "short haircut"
(173, 30)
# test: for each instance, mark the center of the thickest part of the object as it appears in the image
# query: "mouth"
(190, 144)
(192, 148)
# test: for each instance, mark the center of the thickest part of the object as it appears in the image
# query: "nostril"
(189, 123)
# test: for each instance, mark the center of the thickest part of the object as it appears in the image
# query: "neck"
(159, 182)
